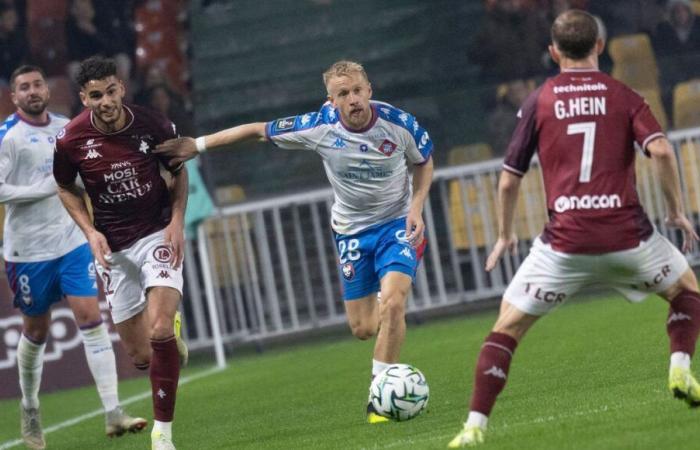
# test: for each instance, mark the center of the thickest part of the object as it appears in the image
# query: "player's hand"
(415, 227)
(178, 150)
(690, 237)
(502, 244)
(174, 236)
(100, 248)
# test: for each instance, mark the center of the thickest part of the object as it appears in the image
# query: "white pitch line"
(505, 426)
(97, 412)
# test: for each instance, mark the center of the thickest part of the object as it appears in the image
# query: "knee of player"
(162, 329)
(393, 307)
(362, 331)
(140, 357)
(35, 334)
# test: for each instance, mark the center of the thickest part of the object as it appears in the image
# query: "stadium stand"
(686, 104)
(634, 62)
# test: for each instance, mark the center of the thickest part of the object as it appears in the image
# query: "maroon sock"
(491, 371)
(683, 322)
(165, 372)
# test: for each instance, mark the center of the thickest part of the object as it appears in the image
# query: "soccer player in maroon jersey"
(137, 235)
(584, 126)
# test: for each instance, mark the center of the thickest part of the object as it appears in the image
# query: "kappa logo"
(407, 253)
(143, 148)
(163, 274)
(676, 316)
(93, 154)
(496, 372)
(387, 147)
(339, 143)
(161, 393)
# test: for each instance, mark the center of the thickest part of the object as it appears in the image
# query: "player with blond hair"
(366, 147)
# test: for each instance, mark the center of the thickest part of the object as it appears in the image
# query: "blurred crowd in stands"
(661, 37)
(147, 39)
(653, 46)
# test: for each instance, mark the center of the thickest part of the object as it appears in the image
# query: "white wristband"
(201, 144)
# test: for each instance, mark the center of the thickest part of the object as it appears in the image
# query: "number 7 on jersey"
(588, 131)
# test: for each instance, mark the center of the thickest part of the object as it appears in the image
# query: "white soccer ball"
(399, 392)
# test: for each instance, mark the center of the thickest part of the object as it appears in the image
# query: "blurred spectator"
(85, 38)
(502, 120)
(680, 32)
(160, 98)
(512, 41)
(13, 42)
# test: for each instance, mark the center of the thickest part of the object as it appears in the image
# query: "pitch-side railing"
(268, 268)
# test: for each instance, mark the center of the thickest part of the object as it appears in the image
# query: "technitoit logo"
(566, 203)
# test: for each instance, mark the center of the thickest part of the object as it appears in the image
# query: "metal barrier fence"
(268, 268)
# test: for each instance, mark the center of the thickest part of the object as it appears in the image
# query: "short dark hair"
(95, 68)
(575, 33)
(21, 70)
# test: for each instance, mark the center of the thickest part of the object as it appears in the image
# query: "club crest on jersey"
(285, 124)
(348, 271)
(387, 147)
(143, 148)
(162, 253)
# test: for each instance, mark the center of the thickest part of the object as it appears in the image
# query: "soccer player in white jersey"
(47, 257)
(366, 147)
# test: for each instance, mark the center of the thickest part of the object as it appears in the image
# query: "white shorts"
(133, 271)
(547, 278)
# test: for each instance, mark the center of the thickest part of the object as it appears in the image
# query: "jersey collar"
(371, 123)
(31, 122)
(128, 123)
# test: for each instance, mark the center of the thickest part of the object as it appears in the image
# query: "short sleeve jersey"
(130, 199)
(39, 230)
(584, 126)
(367, 168)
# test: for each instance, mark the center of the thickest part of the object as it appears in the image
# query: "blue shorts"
(37, 285)
(367, 256)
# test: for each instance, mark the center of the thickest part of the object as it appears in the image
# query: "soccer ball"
(399, 392)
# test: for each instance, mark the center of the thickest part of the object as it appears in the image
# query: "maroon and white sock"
(683, 327)
(164, 373)
(491, 373)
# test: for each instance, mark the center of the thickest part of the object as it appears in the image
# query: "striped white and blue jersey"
(368, 169)
(37, 228)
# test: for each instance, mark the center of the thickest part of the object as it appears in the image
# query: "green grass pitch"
(592, 375)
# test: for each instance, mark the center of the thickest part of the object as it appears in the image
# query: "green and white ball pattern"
(400, 392)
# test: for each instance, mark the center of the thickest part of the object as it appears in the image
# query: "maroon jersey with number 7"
(584, 126)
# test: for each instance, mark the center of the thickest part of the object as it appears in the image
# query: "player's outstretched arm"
(666, 171)
(72, 199)
(508, 188)
(174, 232)
(422, 180)
(12, 193)
(183, 149)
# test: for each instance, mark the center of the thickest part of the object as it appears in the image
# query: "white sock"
(378, 366)
(30, 362)
(680, 359)
(165, 428)
(100, 358)
(476, 419)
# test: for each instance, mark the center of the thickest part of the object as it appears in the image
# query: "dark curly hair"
(95, 68)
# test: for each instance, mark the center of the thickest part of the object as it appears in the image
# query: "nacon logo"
(566, 203)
